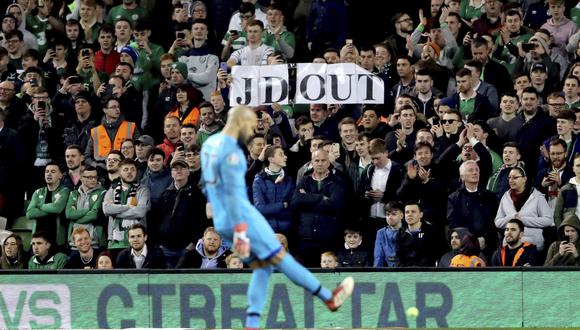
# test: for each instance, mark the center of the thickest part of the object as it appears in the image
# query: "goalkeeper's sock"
(303, 277)
(257, 295)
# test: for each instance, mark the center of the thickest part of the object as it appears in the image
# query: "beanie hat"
(182, 67)
(435, 47)
(131, 52)
(540, 38)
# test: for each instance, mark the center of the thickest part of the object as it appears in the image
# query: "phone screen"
(224, 66)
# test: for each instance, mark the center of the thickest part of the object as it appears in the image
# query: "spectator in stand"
(405, 71)
(321, 30)
(193, 159)
(353, 253)
(47, 206)
(105, 261)
(378, 186)
(143, 146)
(508, 123)
(417, 244)
(554, 173)
(567, 201)
(473, 207)
(209, 252)
(565, 121)
(219, 105)
(129, 9)
(44, 256)
(386, 243)
(182, 214)
(201, 63)
(126, 203)
(515, 251)
(538, 127)
(87, 70)
(188, 99)
(256, 52)
(528, 205)
(468, 100)
(85, 256)
(424, 93)
(371, 123)
(481, 87)
(556, 104)
(15, 47)
(43, 24)
(468, 254)
(236, 36)
(272, 191)
(110, 134)
(276, 35)
(403, 24)
(74, 159)
(12, 106)
(401, 141)
(172, 131)
(564, 252)
(157, 178)
(138, 255)
(234, 262)
(19, 13)
(56, 59)
(328, 260)
(128, 148)
(161, 98)
(319, 198)
(83, 208)
(11, 162)
(209, 124)
(560, 27)
(498, 183)
(112, 165)
(455, 237)
(106, 58)
(89, 20)
(494, 73)
(64, 99)
(13, 254)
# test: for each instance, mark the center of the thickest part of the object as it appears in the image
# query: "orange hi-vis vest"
(102, 142)
(191, 118)
(516, 257)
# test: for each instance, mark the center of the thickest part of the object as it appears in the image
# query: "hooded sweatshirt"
(30, 41)
(554, 258)
(445, 260)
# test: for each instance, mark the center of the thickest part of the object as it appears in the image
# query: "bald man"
(238, 221)
(14, 109)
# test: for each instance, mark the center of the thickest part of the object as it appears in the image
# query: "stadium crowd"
(471, 160)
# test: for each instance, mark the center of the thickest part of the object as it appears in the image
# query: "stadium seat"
(24, 228)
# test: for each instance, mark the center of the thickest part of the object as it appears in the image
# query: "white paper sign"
(274, 84)
(244, 87)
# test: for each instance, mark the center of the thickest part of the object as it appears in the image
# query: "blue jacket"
(269, 198)
(386, 248)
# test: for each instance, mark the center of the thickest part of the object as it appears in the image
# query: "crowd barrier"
(529, 297)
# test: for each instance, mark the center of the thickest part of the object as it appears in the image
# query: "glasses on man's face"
(6, 90)
(448, 121)
(246, 16)
(113, 160)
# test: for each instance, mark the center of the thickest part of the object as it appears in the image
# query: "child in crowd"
(353, 253)
(328, 260)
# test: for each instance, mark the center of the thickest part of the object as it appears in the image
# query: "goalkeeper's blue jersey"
(223, 166)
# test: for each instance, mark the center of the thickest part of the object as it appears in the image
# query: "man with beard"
(243, 225)
(554, 174)
(74, 158)
(470, 103)
(403, 28)
(209, 124)
(83, 208)
(514, 252)
(209, 252)
(48, 204)
(138, 255)
(111, 175)
(172, 131)
(143, 146)
(126, 203)
(13, 107)
(85, 257)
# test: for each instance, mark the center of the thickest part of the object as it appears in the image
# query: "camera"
(180, 35)
(109, 90)
(41, 105)
(233, 32)
(85, 53)
(33, 82)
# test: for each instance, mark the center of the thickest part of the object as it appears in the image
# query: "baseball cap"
(539, 66)
(179, 161)
(145, 139)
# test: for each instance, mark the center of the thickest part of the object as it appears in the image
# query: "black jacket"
(393, 183)
(182, 215)
(450, 165)
(415, 249)
(155, 259)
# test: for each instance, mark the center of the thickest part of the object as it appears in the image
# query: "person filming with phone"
(565, 251)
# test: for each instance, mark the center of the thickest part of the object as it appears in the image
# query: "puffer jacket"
(567, 201)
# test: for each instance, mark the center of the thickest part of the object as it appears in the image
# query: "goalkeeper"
(238, 221)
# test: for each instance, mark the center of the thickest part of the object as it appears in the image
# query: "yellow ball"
(412, 312)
